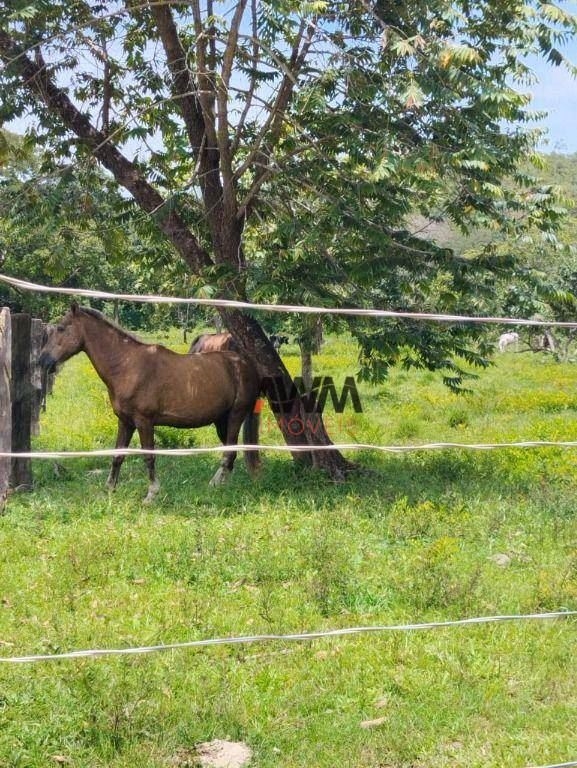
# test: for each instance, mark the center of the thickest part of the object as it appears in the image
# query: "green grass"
(412, 540)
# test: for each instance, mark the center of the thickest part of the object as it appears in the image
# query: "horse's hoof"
(220, 476)
(111, 482)
(152, 492)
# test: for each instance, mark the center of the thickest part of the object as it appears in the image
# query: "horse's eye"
(60, 328)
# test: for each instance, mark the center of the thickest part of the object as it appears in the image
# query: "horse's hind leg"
(227, 429)
(123, 438)
(222, 428)
(146, 434)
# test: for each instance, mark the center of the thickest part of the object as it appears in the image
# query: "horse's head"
(65, 340)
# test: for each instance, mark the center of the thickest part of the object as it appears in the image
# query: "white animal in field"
(506, 339)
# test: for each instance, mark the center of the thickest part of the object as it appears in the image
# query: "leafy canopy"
(301, 143)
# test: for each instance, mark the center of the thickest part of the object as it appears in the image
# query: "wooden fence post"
(5, 402)
(21, 477)
(37, 375)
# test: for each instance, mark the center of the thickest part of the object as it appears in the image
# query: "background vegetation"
(53, 230)
(424, 536)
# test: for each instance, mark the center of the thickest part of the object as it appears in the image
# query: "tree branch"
(209, 144)
(273, 125)
(252, 85)
(36, 78)
(206, 89)
(222, 101)
(183, 84)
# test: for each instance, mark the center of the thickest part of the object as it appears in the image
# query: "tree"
(317, 128)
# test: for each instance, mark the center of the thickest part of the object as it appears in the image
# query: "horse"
(213, 342)
(221, 342)
(217, 342)
(506, 339)
(151, 385)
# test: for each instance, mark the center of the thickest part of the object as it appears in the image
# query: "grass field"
(424, 536)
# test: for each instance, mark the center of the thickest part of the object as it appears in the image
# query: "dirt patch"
(223, 754)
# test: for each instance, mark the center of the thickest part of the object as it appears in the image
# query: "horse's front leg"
(123, 438)
(146, 434)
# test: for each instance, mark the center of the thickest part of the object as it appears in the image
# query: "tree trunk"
(37, 374)
(310, 343)
(307, 368)
(298, 427)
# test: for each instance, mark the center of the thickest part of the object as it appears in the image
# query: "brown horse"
(214, 342)
(217, 342)
(150, 385)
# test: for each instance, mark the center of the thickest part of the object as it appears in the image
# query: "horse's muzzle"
(47, 361)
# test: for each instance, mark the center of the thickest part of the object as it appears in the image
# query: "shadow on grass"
(77, 488)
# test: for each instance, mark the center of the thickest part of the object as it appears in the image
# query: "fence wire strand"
(301, 636)
(110, 452)
(291, 308)
(558, 765)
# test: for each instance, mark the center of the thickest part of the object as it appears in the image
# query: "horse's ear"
(74, 307)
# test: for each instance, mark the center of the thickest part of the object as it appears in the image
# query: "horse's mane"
(118, 328)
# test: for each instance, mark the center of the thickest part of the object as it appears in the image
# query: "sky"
(556, 93)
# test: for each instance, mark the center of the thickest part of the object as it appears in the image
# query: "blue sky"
(556, 92)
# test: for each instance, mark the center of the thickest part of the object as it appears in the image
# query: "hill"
(558, 169)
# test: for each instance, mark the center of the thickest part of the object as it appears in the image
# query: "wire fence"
(291, 308)
(377, 313)
(313, 635)
(557, 765)
(110, 452)
(289, 638)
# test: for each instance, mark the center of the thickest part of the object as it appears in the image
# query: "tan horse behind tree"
(150, 385)
(214, 342)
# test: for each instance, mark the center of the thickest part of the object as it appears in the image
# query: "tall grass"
(415, 538)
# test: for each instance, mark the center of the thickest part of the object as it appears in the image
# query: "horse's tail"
(250, 431)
